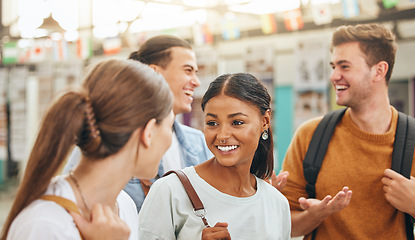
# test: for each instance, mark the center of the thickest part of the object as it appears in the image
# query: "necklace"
(79, 189)
(71, 175)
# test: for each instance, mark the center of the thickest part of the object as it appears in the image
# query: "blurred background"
(47, 44)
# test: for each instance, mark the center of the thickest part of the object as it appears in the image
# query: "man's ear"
(155, 67)
(147, 133)
(381, 69)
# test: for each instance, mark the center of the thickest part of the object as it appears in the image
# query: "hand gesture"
(399, 191)
(321, 209)
(279, 181)
(104, 224)
(218, 232)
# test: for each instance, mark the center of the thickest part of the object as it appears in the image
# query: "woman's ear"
(266, 119)
(147, 133)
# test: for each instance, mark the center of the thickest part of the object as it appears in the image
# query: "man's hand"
(218, 232)
(399, 191)
(321, 209)
(316, 211)
(279, 181)
(104, 224)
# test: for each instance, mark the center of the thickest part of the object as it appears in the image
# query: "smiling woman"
(231, 185)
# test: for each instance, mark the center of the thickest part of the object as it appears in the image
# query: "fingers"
(221, 224)
(103, 224)
(219, 231)
(341, 200)
(282, 180)
(80, 222)
(279, 181)
(303, 203)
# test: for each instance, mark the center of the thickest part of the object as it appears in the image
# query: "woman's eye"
(211, 124)
(236, 122)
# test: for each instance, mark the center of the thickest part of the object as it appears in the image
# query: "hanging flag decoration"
(350, 8)
(207, 34)
(293, 20)
(230, 29)
(60, 50)
(10, 53)
(390, 3)
(202, 34)
(37, 53)
(84, 47)
(322, 14)
(112, 45)
(268, 24)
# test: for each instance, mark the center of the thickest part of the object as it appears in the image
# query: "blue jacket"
(193, 151)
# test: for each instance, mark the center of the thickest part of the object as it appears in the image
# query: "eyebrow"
(339, 62)
(229, 116)
(190, 66)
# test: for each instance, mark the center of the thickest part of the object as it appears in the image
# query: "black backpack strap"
(402, 157)
(318, 147)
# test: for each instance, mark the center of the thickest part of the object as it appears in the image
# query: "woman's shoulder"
(43, 218)
(268, 189)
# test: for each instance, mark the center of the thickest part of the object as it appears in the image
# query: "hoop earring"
(265, 134)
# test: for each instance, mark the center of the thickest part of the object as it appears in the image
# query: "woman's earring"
(265, 134)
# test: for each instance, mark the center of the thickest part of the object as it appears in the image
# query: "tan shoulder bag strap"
(65, 203)
(198, 207)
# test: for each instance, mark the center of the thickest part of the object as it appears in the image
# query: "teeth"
(188, 92)
(341, 87)
(227, 148)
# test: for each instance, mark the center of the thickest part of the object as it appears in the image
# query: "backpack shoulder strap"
(318, 147)
(65, 203)
(402, 157)
(403, 148)
(197, 204)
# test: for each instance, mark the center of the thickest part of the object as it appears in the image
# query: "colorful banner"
(350, 8)
(84, 47)
(230, 29)
(293, 20)
(268, 24)
(60, 50)
(10, 53)
(390, 3)
(322, 14)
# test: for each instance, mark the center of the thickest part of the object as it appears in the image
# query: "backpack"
(402, 156)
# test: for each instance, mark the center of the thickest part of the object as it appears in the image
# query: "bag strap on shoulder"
(197, 204)
(318, 147)
(65, 203)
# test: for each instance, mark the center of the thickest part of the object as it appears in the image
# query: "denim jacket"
(193, 151)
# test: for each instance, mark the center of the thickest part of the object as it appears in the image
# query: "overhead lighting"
(159, 9)
(51, 25)
(231, 2)
(195, 3)
(188, 18)
(260, 7)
